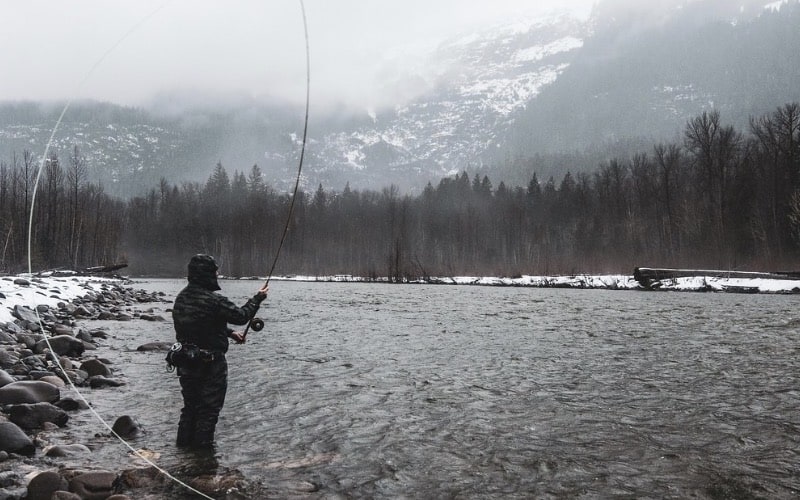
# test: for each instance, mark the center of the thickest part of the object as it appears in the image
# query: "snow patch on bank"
(31, 291)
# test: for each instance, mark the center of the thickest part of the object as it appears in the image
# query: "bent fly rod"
(254, 323)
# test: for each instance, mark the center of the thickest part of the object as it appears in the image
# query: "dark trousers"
(203, 390)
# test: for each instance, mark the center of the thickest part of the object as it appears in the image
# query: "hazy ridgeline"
(721, 198)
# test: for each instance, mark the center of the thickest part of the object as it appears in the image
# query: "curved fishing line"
(300, 164)
(54, 357)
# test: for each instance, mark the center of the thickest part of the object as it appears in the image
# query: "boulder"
(29, 339)
(62, 345)
(25, 314)
(70, 404)
(53, 379)
(83, 312)
(155, 346)
(66, 450)
(95, 367)
(151, 317)
(6, 338)
(102, 334)
(14, 440)
(7, 359)
(85, 336)
(44, 484)
(5, 378)
(29, 391)
(78, 377)
(97, 485)
(33, 416)
(127, 427)
(59, 329)
(99, 381)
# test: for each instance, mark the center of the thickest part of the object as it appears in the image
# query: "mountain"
(647, 70)
(546, 95)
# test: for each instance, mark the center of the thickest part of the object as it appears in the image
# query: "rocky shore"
(43, 351)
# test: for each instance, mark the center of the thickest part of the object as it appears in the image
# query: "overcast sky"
(126, 51)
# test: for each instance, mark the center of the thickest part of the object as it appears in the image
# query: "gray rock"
(95, 367)
(85, 336)
(25, 314)
(97, 485)
(155, 346)
(21, 282)
(59, 329)
(39, 374)
(29, 391)
(78, 377)
(66, 450)
(44, 484)
(66, 363)
(33, 416)
(99, 381)
(55, 380)
(36, 363)
(29, 339)
(151, 317)
(83, 311)
(14, 440)
(62, 345)
(6, 338)
(70, 404)
(7, 359)
(5, 378)
(12, 328)
(32, 327)
(127, 427)
(102, 334)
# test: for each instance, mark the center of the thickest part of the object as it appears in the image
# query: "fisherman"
(201, 319)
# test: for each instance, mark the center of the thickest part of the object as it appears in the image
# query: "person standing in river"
(201, 317)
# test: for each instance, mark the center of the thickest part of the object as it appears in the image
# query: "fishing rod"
(255, 323)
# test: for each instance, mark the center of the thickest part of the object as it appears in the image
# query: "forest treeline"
(721, 198)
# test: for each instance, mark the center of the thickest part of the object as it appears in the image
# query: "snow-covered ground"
(608, 282)
(31, 291)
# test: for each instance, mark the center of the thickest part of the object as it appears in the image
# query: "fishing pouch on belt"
(184, 356)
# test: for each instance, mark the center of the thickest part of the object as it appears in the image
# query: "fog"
(364, 53)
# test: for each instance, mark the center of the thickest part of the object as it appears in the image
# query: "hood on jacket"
(203, 272)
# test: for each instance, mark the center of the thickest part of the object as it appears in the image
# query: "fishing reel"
(256, 324)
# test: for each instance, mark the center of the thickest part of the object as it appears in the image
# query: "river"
(435, 391)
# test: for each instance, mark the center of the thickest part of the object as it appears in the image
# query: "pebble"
(31, 402)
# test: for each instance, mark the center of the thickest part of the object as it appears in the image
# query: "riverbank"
(585, 281)
(48, 362)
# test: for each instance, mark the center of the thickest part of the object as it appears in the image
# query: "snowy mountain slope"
(529, 87)
(483, 79)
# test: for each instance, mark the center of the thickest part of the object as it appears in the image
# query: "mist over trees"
(73, 222)
(721, 198)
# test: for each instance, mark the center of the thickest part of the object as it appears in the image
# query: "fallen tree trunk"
(104, 269)
(646, 276)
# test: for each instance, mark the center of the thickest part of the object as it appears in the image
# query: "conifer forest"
(718, 197)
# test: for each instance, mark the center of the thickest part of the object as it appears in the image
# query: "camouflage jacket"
(201, 316)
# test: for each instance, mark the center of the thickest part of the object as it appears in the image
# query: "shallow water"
(376, 390)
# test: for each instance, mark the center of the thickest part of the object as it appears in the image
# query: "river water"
(415, 391)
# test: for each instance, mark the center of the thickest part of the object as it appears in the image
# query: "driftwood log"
(646, 276)
(104, 269)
